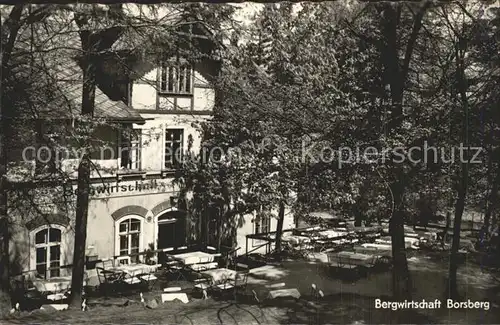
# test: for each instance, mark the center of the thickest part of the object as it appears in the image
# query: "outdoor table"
(298, 239)
(220, 275)
(194, 258)
(372, 250)
(408, 241)
(378, 246)
(332, 233)
(357, 258)
(430, 235)
(203, 266)
(55, 284)
(412, 240)
(365, 230)
(134, 269)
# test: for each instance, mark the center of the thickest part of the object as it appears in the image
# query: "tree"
(467, 97)
(12, 26)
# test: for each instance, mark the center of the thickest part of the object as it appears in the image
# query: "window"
(176, 79)
(129, 233)
(48, 252)
(173, 148)
(130, 149)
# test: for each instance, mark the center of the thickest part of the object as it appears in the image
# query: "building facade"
(134, 203)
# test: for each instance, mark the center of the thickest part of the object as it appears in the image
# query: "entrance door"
(171, 232)
(166, 234)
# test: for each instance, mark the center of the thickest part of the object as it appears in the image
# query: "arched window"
(48, 252)
(129, 233)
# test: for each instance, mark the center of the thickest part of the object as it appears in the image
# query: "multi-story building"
(134, 202)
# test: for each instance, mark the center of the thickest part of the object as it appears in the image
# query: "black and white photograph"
(235, 163)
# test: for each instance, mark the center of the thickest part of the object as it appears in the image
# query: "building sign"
(130, 187)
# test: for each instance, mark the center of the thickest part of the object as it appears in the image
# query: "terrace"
(348, 266)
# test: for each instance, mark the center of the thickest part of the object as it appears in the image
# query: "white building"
(134, 204)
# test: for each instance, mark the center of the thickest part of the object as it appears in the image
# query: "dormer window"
(175, 79)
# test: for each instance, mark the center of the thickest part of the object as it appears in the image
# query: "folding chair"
(131, 280)
(149, 279)
(241, 280)
(203, 284)
(176, 269)
(107, 264)
(345, 265)
(108, 281)
(122, 260)
(223, 287)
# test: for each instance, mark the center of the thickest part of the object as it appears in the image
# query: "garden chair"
(109, 282)
(241, 280)
(122, 260)
(347, 268)
(223, 288)
(203, 284)
(369, 266)
(149, 279)
(107, 264)
(176, 269)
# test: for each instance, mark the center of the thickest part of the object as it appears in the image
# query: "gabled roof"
(69, 106)
(58, 57)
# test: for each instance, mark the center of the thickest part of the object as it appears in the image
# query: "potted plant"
(150, 257)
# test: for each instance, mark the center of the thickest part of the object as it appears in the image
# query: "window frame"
(47, 245)
(135, 147)
(164, 70)
(129, 233)
(173, 161)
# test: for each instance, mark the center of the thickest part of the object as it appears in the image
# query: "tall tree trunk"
(358, 217)
(204, 215)
(395, 75)
(4, 218)
(401, 281)
(444, 239)
(279, 228)
(492, 203)
(454, 255)
(82, 206)
(12, 24)
(89, 45)
(464, 171)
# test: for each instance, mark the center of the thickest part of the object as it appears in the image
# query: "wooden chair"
(122, 260)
